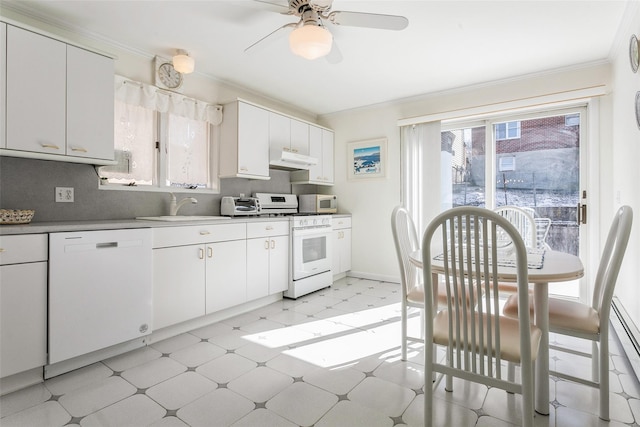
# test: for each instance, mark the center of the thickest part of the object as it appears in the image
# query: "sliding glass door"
(532, 162)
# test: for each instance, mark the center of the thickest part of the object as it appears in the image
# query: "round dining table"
(556, 267)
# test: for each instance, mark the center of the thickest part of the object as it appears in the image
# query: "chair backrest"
(523, 221)
(406, 242)
(465, 241)
(610, 262)
(542, 231)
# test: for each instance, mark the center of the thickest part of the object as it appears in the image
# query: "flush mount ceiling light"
(183, 63)
(310, 41)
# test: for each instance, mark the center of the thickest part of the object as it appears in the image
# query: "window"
(162, 141)
(508, 130)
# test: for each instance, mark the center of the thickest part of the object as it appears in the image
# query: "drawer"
(267, 229)
(196, 234)
(342, 222)
(23, 248)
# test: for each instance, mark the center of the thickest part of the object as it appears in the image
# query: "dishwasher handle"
(104, 245)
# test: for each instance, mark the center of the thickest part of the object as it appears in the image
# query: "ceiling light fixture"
(310, 41)
(183, 63)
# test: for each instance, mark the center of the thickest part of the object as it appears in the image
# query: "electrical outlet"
(64, 194)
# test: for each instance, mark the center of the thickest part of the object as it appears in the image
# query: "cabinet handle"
(201, 253)
(273, 244)
(204, 233)
(2, 250)
(79, 149)
(210, 251)
(243, 169)
(268, 227)
(266, 244)
(295, 150)
(286, 149)
(53, 146)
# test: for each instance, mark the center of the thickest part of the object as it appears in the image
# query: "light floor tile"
(382, 395)
(568, 417)
(73, 380)
(260, 384)
(405, 374)
(586, 399)
(290, 317)
(93, 397)
(221, 407)
(351, 414)
(154, 372)
(502, 405)
(290, 365)
(339, 381)
(210, 331)
(231, 340)
(137, 410)
(50, 414)
(261, 325)
(169, 422)
(302, 404)
(465, 393)
(23, 399)
(258, 353)
(226, 368)
(176, 343)
(197, 354)
(263, 418)
(132, 359)
(444, 414)
(181, 390)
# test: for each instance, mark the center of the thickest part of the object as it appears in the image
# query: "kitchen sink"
(182, 218)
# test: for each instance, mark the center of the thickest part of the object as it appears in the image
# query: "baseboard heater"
(628, 333)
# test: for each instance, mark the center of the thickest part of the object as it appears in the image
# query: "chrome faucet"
(174, 205)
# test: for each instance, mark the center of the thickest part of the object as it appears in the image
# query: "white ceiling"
(448, 44)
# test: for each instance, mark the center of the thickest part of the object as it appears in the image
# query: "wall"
(622, 155)
(371, 202)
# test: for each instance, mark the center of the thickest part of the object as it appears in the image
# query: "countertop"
(63, 226)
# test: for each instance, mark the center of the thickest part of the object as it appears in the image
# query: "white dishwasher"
(100, 290)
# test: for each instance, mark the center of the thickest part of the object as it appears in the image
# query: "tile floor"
(327, 359)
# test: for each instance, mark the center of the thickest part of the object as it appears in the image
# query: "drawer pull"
(79, 149)
(204, 233)
(2, 250)
(53, 146)
(268, 227)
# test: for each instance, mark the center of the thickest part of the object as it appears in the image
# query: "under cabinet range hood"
(293, 161)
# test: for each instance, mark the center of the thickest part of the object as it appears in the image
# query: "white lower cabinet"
(197, 270)
(23, 303)
(267, 258)
(341, 245)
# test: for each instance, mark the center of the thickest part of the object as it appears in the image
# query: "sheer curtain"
(421, 172)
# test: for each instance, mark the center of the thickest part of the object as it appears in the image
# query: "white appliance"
(100, 290)
(239, 206)
(317, 203)
(311, 254)
(279, 204)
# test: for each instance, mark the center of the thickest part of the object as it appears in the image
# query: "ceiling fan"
(311, 39)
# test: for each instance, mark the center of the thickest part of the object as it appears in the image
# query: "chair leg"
(595, 362)
(435, 358)
(511, 373)
(604, 377)
(527, 396)
(403, 328)
(449, 378)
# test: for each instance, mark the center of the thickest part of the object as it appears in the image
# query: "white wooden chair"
(523, 221)
(465, 241)
(591, 322)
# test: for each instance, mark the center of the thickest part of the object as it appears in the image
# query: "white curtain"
(421, 169)
(151, 97)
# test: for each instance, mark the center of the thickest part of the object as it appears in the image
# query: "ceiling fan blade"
(275, 6)
(368, 20)
(335, 55)
(272, 36)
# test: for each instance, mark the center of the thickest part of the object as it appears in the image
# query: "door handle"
(273, 244)
(201, 253)
(210, 251)
(582, 213)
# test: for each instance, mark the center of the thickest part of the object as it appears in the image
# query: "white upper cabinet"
(321, 148)
(3, 84)
(36, 92)
(289, 136)
(244, 144)
(89, 104)
(59, 100)
(299, 137)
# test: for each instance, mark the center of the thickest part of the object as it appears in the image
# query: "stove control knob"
(303, 222)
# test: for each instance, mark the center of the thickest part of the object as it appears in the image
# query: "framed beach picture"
(367, 159)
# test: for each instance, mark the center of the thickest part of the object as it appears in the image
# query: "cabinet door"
(36, 92)
(278, 264)
(3, 83)
(299, 137)
(90, 95)
(315, 150)
(178, 284)
(257, 268)
(253, 140)
(279, 135)
(327, 156)
(226, 274)
(23, 317)
(345, 250)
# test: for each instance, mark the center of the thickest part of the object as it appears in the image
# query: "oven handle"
(309, 231)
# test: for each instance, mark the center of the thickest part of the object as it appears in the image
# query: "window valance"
(151, 97)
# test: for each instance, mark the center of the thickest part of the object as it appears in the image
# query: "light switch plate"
(64, 194)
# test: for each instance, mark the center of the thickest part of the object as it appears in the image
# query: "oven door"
(311, 251)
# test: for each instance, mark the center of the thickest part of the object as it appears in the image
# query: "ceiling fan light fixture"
(183, 63)
(310, 41)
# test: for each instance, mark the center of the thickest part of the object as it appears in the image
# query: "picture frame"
(367, 159)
